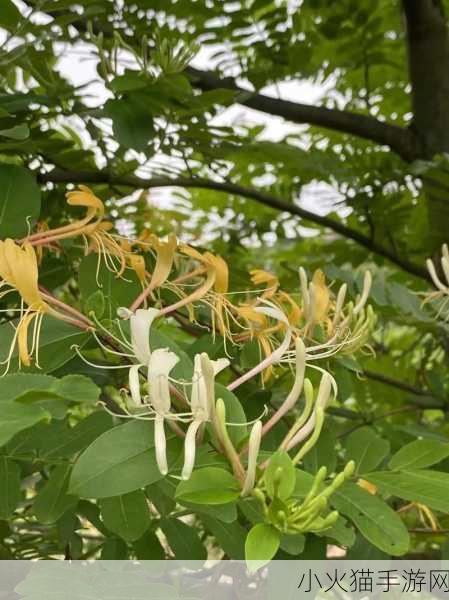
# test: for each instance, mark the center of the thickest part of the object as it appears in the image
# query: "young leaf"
(280, 463)
(261, 545)
(210, 485)
(293, 544)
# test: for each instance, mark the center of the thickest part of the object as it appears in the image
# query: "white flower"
(160, 364)
(253, 452)
(140, 323)
(202, 403)
(270, 310)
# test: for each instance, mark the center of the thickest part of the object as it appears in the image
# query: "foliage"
(122, 433)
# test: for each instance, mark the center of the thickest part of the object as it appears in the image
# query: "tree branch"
(420, 397)
(399, 139)
(62, 176)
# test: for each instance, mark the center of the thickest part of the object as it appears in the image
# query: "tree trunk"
(428, 60)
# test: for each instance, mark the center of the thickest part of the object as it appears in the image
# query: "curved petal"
(190, 449)
(140, 323)
(134, 385)
(160, 364)
(160, 444)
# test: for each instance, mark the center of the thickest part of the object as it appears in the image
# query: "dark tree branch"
(400, 140)
(62, 176)
(419, 397)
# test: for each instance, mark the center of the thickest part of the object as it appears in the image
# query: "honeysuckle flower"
(441, 283)
(314, 424)
(140, 325)
(268, 309)
(316, 299)
(426, 516)
(214, 290)
(165, 255)
(259, 277)
(293, 311)
(202, 404)
(253, 452)
(19, 272)
(137, 264)
(161, 362)
(296, 389)
(82, 197)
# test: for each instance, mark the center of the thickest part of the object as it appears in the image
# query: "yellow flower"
(18, 271)
(294, 312)
(137, 263)
(261, 330)
(84, 196)
(259, 277)
(366, 485)
(321, 297)
(217, 279)
(165, 255)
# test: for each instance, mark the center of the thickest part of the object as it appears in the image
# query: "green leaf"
(127, 516)
(57, 444)
(222, 512)
(10, 16)
(284, 488)
(343, 534)
(376, 521)
(323, 452)
(77, 388)
(230, 536)
(132, 122)
(96, 303)
(293, 544)
(419, 454)
(55, 345)
(234, 413)
(31, 387)
(148, 547)
(18, 132)
(209, 485)
(9, 486)
(261, 545)
(53, 499)
(119, 461)
(429, 487)
(366, 449)
(17, 417)
(183, 540)
(20, 199)
(116, 291)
